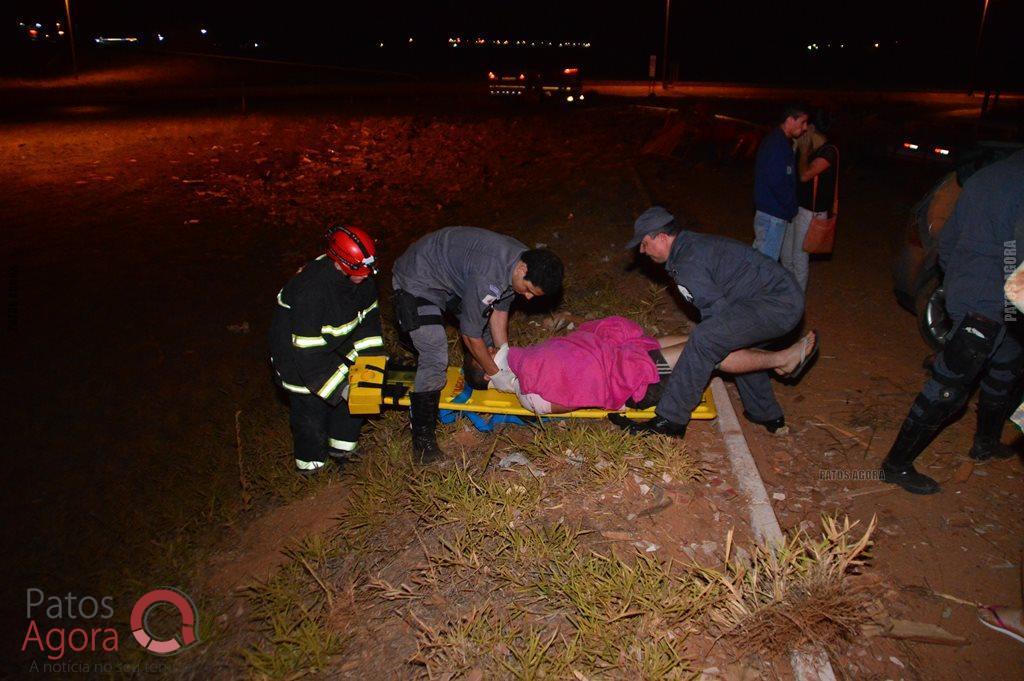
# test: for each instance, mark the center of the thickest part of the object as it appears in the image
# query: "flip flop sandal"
(805, 358)
(989, 616)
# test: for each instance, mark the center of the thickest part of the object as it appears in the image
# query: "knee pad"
(968, 348)
(938, 402)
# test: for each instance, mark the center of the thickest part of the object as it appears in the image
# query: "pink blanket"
(602, 364)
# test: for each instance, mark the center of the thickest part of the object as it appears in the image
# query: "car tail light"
(522, 76)
(491, 75)
(571, 71)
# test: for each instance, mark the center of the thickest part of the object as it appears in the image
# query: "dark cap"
(652, 220)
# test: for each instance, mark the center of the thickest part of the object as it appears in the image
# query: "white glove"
(504, 381)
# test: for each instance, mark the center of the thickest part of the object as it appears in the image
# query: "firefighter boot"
(898, 466)
(991, 415)
(423, 416)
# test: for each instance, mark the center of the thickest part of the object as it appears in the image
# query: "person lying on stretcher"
(611, 364)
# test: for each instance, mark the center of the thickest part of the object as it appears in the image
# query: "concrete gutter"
(808, 665)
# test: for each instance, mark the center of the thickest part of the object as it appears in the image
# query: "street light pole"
(977, 47)
(71, 37)
(664, 48)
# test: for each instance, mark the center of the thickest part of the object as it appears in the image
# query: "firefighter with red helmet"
(326, 316)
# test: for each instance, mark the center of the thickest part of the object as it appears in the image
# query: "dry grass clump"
(293, 609)
(801, 592)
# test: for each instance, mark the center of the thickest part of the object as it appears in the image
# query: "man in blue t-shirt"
(775, 181)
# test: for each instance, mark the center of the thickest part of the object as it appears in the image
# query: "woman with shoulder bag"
(817, 196)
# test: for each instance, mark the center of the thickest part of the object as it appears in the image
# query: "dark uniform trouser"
(745, 325)
(431, 343)
(319, 430)
(999, 376)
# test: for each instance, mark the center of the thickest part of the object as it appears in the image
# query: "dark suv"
(917, 274)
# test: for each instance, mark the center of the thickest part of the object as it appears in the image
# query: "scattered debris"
(909, 630)
(963, 474)
(519, 459)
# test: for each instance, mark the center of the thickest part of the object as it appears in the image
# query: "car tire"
(930, 306)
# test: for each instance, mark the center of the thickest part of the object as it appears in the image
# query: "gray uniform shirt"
(470, 263)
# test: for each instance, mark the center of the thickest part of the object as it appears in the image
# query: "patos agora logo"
(58, 625)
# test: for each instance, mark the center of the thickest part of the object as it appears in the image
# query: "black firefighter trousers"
(320, 430)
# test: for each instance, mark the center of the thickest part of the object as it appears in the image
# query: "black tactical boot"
(423, 416)
(991, 416)
(898, 466)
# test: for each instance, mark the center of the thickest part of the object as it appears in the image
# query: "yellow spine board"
(367, 376)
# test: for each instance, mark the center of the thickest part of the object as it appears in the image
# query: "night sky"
(709, 40)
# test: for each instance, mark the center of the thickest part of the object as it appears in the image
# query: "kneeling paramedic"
(472, 274)
(326, 316)
(978, 248)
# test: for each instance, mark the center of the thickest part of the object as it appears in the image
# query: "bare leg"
(749, 360)
(669, 341)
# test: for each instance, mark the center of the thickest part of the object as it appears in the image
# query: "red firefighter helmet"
(352, 249)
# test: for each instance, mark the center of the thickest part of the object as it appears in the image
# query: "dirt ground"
(146, 444)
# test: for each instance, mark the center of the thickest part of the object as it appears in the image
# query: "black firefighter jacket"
(322, 323)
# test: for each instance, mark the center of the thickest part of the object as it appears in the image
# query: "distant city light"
(911, 146)
(160, 37)
(255, 44)
(941, 152)
(410, 40)
(480, 41)
(380, 44)
(203, 31)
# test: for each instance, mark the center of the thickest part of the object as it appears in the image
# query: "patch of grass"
(574, 611)
(504, 592)
(609, 454)
(603, 296)
(379, 482)
(292, 610)
(456, 495)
